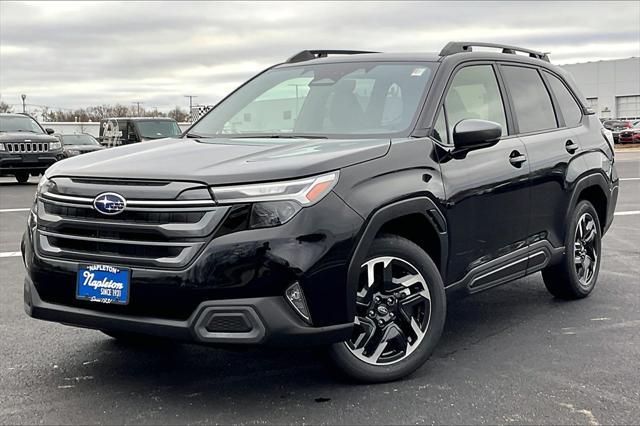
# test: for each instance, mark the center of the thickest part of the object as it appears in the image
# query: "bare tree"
(4, 107)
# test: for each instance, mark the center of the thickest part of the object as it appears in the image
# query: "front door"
(487, 190)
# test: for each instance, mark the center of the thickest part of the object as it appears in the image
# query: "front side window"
(474, 93)
(439, 132)
(531, 101)
(342, 99)
(571, 112)
(20, 123)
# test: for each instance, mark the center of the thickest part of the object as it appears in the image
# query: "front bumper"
(32, 163)
(248, 268)
(254, 321)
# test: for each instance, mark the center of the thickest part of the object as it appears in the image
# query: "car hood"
(84, 148)
(222, 161)
(26, 137)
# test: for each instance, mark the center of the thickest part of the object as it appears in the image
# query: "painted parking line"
(638, 178)
(10, 254)
(14, 210)
(627, 213)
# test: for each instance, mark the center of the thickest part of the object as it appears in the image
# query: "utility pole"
(138, 103)
(190, 104)
(24, 106)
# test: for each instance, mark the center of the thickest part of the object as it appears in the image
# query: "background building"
(612, 88)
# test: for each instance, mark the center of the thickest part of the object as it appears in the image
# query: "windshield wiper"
(193, 136)
(278, 136)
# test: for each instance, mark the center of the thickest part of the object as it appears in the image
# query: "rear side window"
(570, 110)
(474, 93)
(531, 101)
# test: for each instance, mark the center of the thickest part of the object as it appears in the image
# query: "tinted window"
(157, 129)
(440, 128)
(531, 101)
(19, 123)
(570, 110)
(82, 139)
(474, 93)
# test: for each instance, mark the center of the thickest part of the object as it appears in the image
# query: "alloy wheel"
(393, 311)
(586, 249)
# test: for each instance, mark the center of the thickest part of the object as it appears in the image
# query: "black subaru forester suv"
(332, 200)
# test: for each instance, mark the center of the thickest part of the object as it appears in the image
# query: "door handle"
(516, 159)
(571, 146)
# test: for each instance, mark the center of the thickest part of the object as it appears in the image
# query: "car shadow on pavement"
(178, 370)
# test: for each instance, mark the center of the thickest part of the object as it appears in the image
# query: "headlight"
(72, 152)
(55, 145)
(44, 186)
(275, 203)
(1, 147)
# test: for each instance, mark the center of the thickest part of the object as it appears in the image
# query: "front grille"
(133, 216)
(26, 147)
(151, 233)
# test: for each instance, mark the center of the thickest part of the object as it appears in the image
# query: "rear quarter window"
(571, 112)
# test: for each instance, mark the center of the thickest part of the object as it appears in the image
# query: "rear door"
(552, 144)
(487, 206)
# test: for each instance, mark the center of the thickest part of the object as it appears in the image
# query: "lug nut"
(377, 299)
(390, 301)
(380, 322)
(372, 314)
(392, 315)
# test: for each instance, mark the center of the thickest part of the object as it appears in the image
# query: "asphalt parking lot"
(510, 355)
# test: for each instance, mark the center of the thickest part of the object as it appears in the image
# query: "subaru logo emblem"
(109, 203)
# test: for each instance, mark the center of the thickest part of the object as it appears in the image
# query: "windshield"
(19, 124)
(340, 99)
(158, 129)
(79, 140)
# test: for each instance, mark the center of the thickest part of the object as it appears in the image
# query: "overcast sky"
(68, 55)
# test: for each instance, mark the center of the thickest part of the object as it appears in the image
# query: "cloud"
(76, 54)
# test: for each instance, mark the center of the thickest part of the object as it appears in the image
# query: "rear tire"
(22, 177)
(400, 313)
(575, 277)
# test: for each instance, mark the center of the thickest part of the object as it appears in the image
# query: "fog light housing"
(273, 213)
(295, 297)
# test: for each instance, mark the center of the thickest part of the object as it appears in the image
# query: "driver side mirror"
(49, 131)
(474, 133)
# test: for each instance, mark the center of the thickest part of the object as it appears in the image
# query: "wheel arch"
(592, 188)
(403, 218)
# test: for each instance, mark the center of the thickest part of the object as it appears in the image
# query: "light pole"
(190, 105)
(138, 103)
(24, 106)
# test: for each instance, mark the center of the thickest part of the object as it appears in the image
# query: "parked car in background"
(78, 143)
(616, 126)
(26, 148)
(127, 130)
(631, 135)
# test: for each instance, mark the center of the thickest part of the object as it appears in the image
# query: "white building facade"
(612, 88)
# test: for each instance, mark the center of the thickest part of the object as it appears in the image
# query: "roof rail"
(466, 46)
(307, 55)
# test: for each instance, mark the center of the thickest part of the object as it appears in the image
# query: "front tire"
(22, 177)
(575, 277)
(400, 313)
